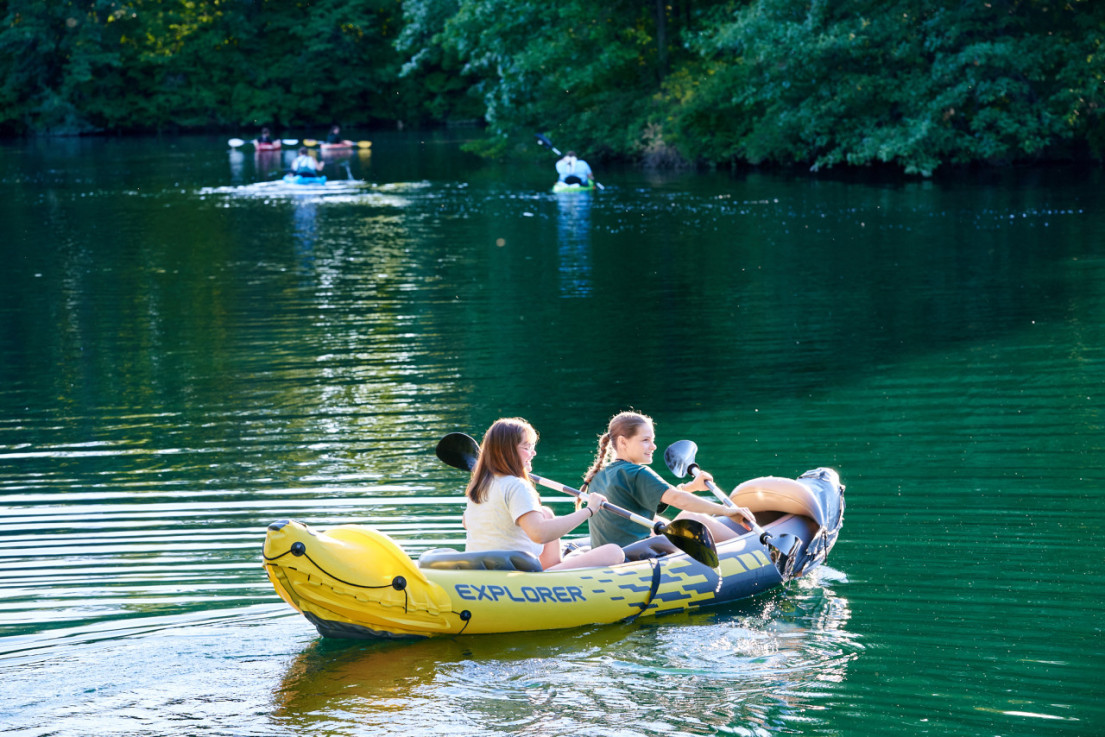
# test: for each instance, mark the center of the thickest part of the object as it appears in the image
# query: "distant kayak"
(260, 146)
(337, 146)
(563, 188)
(304, 181)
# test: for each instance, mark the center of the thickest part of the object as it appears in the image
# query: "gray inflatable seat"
(487, 560)
(656, 546)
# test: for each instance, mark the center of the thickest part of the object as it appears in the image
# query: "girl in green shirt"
(621, 474)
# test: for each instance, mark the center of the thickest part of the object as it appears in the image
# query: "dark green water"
(188, 352)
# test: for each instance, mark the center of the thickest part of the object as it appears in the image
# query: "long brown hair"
(622, 425)
(499, 455)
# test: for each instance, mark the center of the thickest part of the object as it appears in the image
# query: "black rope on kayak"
(298, 549)
(399, 583)
(655, 562)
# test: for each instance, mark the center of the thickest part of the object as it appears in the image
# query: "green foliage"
(916, 84)
(434, 74)
(583, 71)
(145, 64)
(47, 52)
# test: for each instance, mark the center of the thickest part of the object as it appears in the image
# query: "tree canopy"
(914, 84)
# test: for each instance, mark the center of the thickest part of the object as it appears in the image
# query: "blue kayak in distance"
(564, 188)
(304, 181)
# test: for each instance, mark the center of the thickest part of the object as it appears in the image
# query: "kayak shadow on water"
(756, 663)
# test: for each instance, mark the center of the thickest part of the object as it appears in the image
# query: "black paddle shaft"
(546, 142)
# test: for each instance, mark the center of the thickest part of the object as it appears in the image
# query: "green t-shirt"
(632, 487)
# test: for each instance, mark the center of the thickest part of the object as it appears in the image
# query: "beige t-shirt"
(492, 524)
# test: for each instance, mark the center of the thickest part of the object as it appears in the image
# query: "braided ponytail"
(622, 425)
(600, 460)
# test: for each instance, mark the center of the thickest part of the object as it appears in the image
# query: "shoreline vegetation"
(907, 86)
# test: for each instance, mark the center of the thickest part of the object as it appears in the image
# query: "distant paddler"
(573, 170)
(265, 141)
(306, 165)
(336, 142)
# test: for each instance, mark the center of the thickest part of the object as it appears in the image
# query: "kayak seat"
(656, 546)
(485, 560)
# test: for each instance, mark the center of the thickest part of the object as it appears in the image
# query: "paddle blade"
(694, 539)
(546, 142)
(680, 457)
(235, 142)
(289, 141)
(784, 549)
(364, 144)
(458, 450)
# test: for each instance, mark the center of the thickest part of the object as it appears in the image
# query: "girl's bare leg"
(604, 555)
(718, 530)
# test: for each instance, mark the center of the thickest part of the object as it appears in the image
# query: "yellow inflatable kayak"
(355, 582)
